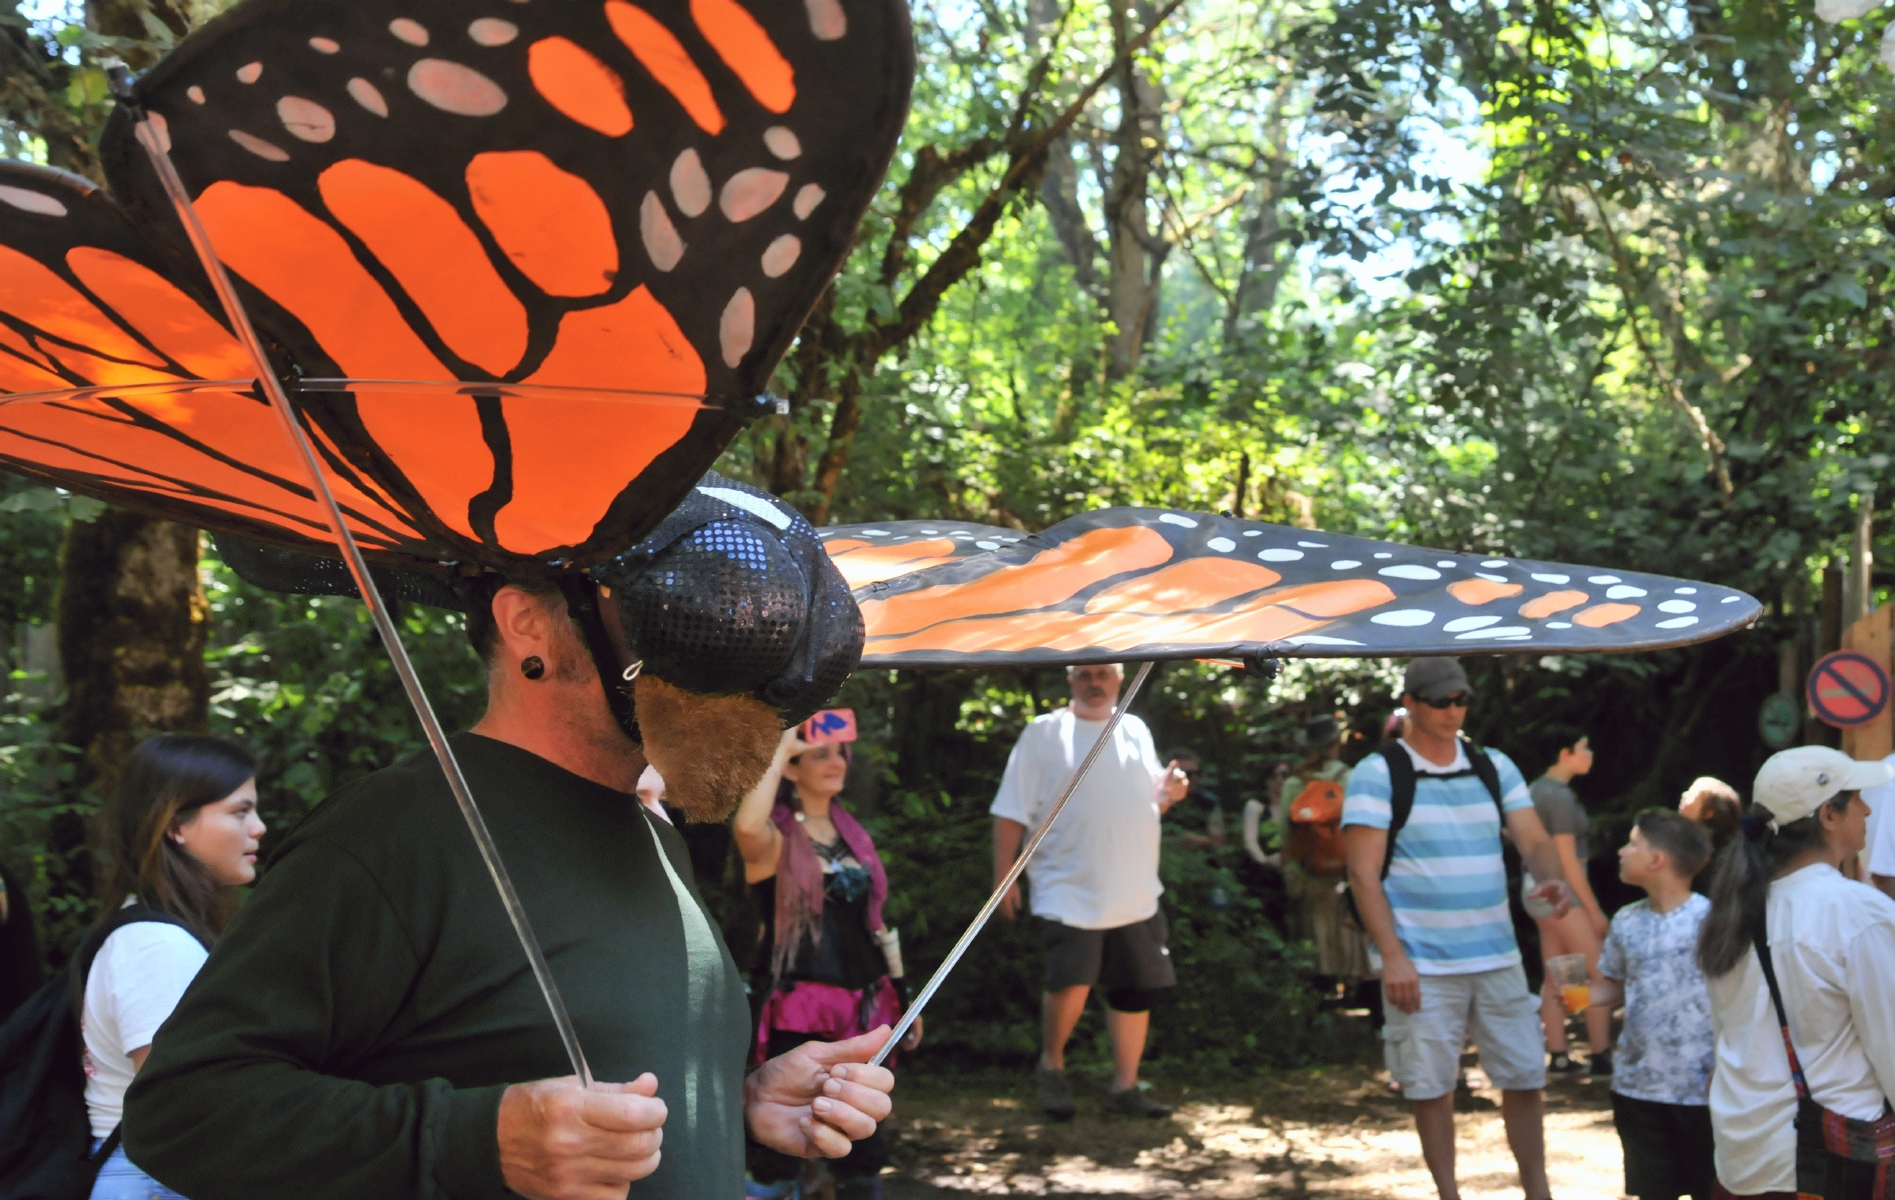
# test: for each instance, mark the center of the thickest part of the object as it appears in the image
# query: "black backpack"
(1402, 779)
(45, 1132)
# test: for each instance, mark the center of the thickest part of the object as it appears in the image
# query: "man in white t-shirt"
(1878, 858)
(1094, 880)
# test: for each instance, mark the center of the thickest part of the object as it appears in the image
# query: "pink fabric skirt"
(827, 1012)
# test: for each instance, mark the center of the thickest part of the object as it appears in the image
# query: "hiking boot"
(1133, 1102)
(1056, 1096)
(1563, 1066)
(1601, 1065)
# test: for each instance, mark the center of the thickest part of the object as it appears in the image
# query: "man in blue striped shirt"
(1440, 925)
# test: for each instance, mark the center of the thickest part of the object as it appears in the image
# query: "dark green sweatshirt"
(354, 1028)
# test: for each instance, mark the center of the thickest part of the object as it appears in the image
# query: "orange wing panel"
(863, 563)
(571, 458)
(1051, 576)
(33, 292)
(1193, 583)
(304, 265)
(659, 51)
(434, 256)
(549, 222)
(748, 51)
(1552, 602)
(1601, 615)
(1482, 591)
(579, 85)
(156, 308)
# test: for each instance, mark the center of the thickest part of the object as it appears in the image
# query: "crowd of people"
(365, 1020)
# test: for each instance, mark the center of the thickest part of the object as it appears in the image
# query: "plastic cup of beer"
(1568, 973)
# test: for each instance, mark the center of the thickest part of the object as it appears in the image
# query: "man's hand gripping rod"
(154, 144)
(1013, 874)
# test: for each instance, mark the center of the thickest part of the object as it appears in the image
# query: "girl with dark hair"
(1713, 804)
(825, 959)
(1801, 963)
(181, 836)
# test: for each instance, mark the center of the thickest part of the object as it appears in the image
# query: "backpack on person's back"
(45, 1130)
(1313, 838)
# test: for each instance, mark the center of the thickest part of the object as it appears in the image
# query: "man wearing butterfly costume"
(506, 276)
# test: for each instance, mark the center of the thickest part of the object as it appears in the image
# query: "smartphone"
(830, 725)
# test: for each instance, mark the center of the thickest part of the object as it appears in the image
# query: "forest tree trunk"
(133, 623)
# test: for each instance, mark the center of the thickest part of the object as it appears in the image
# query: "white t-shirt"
(1833, 944)
(1880, 852)
(1098, 867)
(137, 979)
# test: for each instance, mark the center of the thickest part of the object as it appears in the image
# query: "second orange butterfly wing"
(1137, 583)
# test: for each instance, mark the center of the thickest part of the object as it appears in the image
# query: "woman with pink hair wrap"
(824, 961)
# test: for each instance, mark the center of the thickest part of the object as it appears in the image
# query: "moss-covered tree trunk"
(132, 628)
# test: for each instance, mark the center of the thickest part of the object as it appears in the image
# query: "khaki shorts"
(1423, 1049)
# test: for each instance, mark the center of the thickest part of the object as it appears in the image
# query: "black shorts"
(1667, 1148)
(1131, 958)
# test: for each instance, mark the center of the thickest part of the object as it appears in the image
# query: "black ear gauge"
(532, 666)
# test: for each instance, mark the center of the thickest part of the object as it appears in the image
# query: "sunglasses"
(1457, 700)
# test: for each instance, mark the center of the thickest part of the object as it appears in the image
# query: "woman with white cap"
(1801, 963)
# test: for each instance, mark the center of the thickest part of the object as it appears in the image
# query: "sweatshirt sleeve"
(307, 978)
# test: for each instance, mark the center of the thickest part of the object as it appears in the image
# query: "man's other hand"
(1010, 902)
(1556, 893)
(559, 1141)
(1176, 785)
(1401, 983)
(820, 1098)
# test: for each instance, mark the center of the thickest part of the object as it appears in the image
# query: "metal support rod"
(1013, 874)
(153, 142)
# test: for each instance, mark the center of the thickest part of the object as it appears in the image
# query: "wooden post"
(1873, 635)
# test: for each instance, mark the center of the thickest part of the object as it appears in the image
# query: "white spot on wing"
(492, 31)
(259, 147)
(306, 120)
(690, 186)
(365, 93)
(754, 505)
(1463, 624)
(1175, 519)
(782, 142)
(1677, 623)
(826, 19)
(1317, 639)
(412, 32)
(781, 255)
(737, 327)
(1493, 578)
(250, 72)
(1677, 606)
(1221, 545)
(27, 200)
(196, 94)
(1344, 564)
(1278, 555)
(1409, 571)
(323, 45)
(1624, 591)
(456, 89)
(1602, 579)
(750, 191)
(1506, 633)
(807, 198)
(1403, 617)
(662, 242)
(1314, 545)
(1552, 578)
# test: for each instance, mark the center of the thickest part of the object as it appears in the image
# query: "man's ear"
(519, 619)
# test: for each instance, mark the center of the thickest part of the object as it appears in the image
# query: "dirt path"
(1333, 1133)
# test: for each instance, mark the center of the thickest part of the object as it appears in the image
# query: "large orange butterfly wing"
(616, 212)
(1132, 583)
(86, 302)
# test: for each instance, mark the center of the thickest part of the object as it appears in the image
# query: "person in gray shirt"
(1583, 929)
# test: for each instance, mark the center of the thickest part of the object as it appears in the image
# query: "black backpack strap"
(94, 941)
(1489, 775)
(1401, 797)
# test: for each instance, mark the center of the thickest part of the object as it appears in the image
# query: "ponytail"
(1740, 881)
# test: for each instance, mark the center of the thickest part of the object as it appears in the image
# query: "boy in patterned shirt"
(1661, 1089)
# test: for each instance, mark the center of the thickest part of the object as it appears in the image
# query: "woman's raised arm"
(758, 838)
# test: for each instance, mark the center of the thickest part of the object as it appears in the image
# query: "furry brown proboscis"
(710, 749)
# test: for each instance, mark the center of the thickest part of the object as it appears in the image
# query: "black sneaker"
(1563, 1066)
(1056, 1095)
(1600, 1066)
(1133, 1102)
